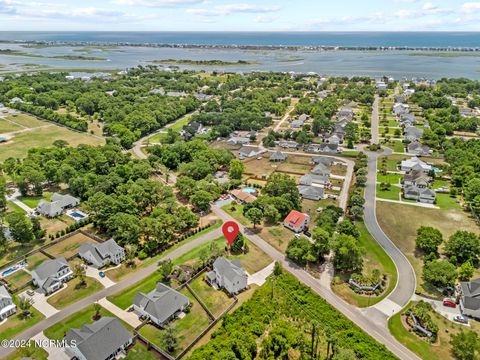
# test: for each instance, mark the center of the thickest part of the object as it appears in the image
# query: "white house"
(400, 108)
(296, 221)
(228, 274)
(409, 164)
(99, 255)
(7, 307)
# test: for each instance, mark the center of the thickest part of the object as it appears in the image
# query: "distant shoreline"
(39, 43)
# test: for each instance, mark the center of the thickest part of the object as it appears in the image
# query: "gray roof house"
(323, 160)
(321, 169)
(7, 307)
(238, 140)
(161, 304)
(228, 274)
(415, 147)
(322, 148)
(278, 156)
(470, 299)
(104, 339)
(303, 117)
(416, 177)
(313, 179)
(413, 133)
(250, 151)
(99, 255)
(310, 192)
(423, 195)
(51, 274)
(57, 206)
(296, 124)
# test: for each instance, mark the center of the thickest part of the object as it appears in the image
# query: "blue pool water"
(8, 271)
(249, 190)
(77, 215)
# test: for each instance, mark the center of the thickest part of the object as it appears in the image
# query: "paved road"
(406, 281)
(375, 121)
(118, 287)
(372, 322)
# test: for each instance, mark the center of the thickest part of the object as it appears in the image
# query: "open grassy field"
(400, 223)
(216, 301)
(15, 324)
(185, 329)
(77, 320)
(72, 294)
(41, 134)
(391, 178)
(375, 258)
(69, 247)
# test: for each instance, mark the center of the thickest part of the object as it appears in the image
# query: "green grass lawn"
(350, 153)
(18, 278)
(71, 294)
(32, 352)
(32, 201)
(438, 183)
(12, 207)
(77, 320)
(186, 329)
(215, 300)
(396, 146)
(15, 325)
(140, 352)
(392, 194)
(446, 202)
(7, 126)
(36, 259)
(389, 178)
(375, 258)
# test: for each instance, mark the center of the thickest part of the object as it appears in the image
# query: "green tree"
(348, 228)
(238, 244)
(465, 345)
(201, 200)
(170, 340)
(20, 227)
(255, 215)
(439, 273)
(24, 304)
(79, 272)
(298, 250)
(271, 214)
(236, 169)
(464, 246)
(348, 254)
(321, 242)
(428, 239)
(284, 186)
(466, 271)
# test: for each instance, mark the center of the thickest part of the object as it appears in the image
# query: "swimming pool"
(9, 271)
(249, 190)
(77, 215)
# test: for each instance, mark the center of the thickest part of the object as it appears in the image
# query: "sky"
(241, 15)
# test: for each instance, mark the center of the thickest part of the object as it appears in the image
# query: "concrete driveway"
(260, 277)
(90, 271)
(57, 353)
(438, 306)
(128, 316)
(40, 302)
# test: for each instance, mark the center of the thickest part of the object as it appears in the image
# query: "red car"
(449, 302)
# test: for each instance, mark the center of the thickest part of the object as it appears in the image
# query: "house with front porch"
(50, 275)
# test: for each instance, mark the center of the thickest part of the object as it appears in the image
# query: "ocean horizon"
(423, 39)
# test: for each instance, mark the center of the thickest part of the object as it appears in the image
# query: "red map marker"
(230, 230)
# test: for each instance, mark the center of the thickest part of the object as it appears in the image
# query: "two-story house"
(99, 255)
(7, 307)
(228, 275)
(50, 275)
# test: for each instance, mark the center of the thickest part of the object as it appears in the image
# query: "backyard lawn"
(18, 279)
(216, 301)
(32, 201)
(391, 178)
(69, 246)
(36, 259)
(446, 202)
(15, 324)
(375, 258)
(185, 329)
(140, 352)
(77, 320)
(71, 294)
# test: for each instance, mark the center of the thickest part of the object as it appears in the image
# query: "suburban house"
(466, 112)
(238, 140)
(408, 92)
(287, 144)
(400, 108)
(99, 255)
(303, 117)
(407, 119)
(381, 86)
(417, 148)
(322, 148)
(335, 138)
(243, 196)
(311, 192)
(313, 179)
(57, 206)
(423, 195)
(322, 160)
(417, 177)
(250, 151)
(296, 124)
(411, 163)
(227, 274)
(161, 304)
(296, 221)
(106, 338)
(345, 112)
(7, 307)
(470, 298)
(51, 274)
(278, 156)
(413, 133)
(321, 169)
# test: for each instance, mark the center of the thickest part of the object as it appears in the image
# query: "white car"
(460, 319)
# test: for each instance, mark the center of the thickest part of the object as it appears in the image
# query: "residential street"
(125, 283)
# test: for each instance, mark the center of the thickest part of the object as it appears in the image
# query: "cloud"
(470, 7)
(7, 8)
(265, 19)
(222, 10)
(158, 3)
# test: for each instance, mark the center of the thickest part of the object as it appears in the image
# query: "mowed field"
(400, 223)
(26, 132)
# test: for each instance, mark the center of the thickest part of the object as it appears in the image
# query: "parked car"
(307, 233)
(101, 274)
(30, 292)
(449, 303)
(332, 196)
(461, 319)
